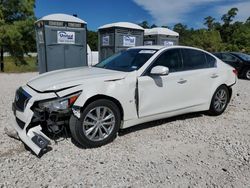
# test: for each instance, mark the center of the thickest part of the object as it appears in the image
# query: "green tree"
(92, 38)
(183, 33)
(153, 26)
(17, 34)
(240, 39)
(217, 26)
(208, 40)
(248, 20)
(228, 17)
(144, 24)
(226, 30)
(180, 28)
(209, 22)
(165, 26)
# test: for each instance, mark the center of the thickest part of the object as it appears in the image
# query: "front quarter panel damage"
(122, 90)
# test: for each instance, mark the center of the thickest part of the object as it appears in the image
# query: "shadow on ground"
(148, 125)
(158, 123)
(66, 134)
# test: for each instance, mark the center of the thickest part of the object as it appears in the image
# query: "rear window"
(195, 59)
(211, 61)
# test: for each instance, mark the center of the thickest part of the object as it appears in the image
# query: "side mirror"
(159, 70)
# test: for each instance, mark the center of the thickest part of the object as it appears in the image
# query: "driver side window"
(170, 59)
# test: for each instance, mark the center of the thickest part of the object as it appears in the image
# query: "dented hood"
(65, 78)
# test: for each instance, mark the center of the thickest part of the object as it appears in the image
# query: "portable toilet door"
(116, 37)
(61, 42)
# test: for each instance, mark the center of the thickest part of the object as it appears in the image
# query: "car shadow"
(240, 78)
(156, 123)
(148, 125)
(67, 135)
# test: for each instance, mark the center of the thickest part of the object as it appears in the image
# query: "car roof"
(158, 47)
(148, 47)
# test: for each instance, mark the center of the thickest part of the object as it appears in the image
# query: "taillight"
(235, 72)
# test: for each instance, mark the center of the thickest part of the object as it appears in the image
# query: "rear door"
(199, 70)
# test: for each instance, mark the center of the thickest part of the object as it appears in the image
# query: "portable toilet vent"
(61, 42)
(161, 36)
(116, 37)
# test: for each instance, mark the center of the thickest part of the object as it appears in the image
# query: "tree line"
(17, 35)
(17, 31)
(226, 35)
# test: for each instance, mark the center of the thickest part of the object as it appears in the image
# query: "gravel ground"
(188, 151)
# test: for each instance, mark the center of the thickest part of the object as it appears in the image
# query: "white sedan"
(138, 85)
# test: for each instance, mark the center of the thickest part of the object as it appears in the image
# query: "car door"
(201, 74)
(159, 94)
(188, 84)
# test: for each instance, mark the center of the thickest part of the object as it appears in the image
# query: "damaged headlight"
(60, 103)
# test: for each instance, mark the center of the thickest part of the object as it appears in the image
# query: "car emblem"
(17, 97)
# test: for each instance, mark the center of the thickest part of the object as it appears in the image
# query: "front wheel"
(98, 125)
(247, 74)
(219, 101)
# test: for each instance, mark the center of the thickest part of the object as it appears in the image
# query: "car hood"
(66, 78)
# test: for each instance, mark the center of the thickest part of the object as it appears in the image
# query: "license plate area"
(40, 141)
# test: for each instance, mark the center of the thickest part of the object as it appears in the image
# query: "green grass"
(11, 67)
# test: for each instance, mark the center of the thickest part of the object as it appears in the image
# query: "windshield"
(245, 57)
(128, 60)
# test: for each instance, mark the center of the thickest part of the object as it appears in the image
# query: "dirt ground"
(193, 150)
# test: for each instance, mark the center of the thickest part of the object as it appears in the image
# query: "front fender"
(122, 90)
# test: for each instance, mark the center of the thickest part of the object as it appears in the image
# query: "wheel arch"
(244, 71)
(100, 96)
(230, 90)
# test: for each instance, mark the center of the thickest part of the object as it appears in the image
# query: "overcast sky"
(160, 12)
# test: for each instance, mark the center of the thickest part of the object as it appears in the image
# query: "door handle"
(214, 75)
(182, 81)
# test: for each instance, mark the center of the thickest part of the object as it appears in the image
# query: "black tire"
(247, 74)
(216, 111)
(77, 128)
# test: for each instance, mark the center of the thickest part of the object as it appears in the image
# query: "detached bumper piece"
(34, 138)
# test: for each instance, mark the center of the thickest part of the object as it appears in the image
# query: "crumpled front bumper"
(32, 136)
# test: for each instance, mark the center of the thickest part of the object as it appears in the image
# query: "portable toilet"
(161, 36)
(61, 42)
(116, 37)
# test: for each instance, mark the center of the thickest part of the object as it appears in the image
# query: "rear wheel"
(98, 125)
(219, 101)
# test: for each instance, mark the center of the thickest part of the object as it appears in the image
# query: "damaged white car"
(138, 85)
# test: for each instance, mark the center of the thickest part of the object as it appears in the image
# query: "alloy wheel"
(248, 74)
(98, 123)
(220, 100)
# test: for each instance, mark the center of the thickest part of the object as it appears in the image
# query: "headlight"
(60, 103)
